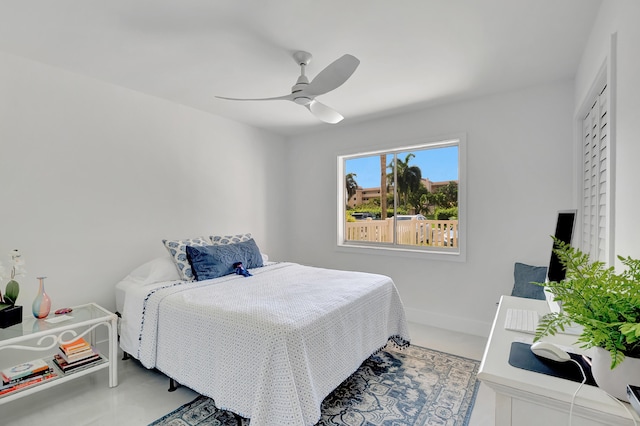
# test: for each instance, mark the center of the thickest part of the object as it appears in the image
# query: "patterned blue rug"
(413, 386)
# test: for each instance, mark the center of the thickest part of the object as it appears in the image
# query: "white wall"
(93, 177)
(620, 17)
(520, 171)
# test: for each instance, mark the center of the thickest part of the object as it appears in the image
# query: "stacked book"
(76, 354)
(25, 375)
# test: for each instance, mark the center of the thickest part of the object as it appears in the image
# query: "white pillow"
(155, 271)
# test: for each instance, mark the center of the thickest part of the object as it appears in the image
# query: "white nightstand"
(34, 339)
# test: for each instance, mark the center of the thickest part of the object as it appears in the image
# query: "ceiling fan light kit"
(305, 92)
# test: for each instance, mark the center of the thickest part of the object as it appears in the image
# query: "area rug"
(413, 386)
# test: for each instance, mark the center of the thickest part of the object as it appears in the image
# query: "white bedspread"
(269, 347)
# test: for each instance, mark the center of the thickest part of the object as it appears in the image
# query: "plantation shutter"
(596, 191)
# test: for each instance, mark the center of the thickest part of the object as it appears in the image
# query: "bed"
(269, 347)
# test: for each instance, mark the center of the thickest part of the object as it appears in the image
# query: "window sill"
(438, 255)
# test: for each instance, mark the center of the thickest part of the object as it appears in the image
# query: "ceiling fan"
(305, 92)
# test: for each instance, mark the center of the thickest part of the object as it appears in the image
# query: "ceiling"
(413, 53)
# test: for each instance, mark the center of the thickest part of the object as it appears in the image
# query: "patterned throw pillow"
(177, 250)
(221, 240)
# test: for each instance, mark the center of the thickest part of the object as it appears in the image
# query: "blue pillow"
(524, 276)
(209, 262)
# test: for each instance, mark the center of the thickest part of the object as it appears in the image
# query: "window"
(407, 199)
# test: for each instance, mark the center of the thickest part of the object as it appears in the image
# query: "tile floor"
(142, 396)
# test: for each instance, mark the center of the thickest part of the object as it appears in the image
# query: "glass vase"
(42, 303)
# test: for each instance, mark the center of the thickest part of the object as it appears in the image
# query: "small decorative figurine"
(240, 270)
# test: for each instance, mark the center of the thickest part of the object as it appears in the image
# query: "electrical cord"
(573, 398)
(625, 407)
(584, 379)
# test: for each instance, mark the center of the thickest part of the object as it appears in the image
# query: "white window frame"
(434, 253)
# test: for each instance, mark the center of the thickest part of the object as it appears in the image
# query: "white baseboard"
(462, 325)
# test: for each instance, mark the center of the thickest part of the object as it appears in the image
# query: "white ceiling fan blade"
(334, 75)
(324, 113)
(278, 98)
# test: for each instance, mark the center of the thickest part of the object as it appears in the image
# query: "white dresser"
(526, 398)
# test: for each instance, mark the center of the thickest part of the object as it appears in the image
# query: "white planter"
(614, 381)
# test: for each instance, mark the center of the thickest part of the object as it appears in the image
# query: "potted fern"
(607, 305)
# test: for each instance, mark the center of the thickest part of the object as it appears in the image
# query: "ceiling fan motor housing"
(302, 100)
(299, 87)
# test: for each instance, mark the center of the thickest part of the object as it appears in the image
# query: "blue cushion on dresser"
(524, 276)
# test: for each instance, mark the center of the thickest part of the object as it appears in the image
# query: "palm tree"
(383, 186)
(409, 177)
(352, 185)
(449, 194)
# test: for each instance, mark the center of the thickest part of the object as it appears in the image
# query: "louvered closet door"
(596, 194)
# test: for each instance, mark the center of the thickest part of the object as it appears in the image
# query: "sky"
(438, 164)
